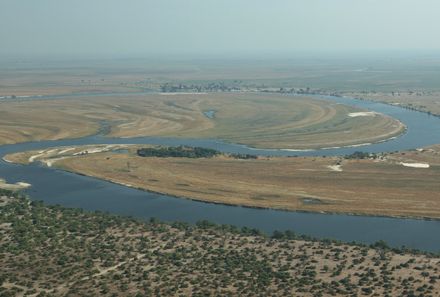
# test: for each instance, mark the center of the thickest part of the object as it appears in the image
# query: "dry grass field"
(30, 121)
(259, 120)
(59, 79)
(351, 73)
(375, 187)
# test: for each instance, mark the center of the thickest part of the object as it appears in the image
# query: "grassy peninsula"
(402, 184)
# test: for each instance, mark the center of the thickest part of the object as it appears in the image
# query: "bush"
(178, 152)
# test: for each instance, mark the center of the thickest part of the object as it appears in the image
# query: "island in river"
(360, 183)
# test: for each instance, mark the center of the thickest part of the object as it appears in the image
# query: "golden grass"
(260, 120)
(272, 121)
(373, 187)
(29, 122)
(70, 80)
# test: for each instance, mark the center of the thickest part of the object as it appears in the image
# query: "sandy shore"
(13, 187)
(415, 165)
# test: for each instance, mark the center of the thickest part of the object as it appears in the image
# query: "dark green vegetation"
(177, 152)
(186, 152)
(54, 251)
(358, 155)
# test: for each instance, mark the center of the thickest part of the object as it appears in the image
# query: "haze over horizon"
(199, 27)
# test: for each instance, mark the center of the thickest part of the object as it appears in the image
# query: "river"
(72, 190)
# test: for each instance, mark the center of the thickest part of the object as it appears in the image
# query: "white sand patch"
(41, 154)
(297, 150)
(51, 151)
(415, 165)
(47, 154)
(183, 93)
(13, 187)
(339, 147)
(337, 168)
(7, 160)
(66, 150)
(50, 162)
(362, 114)
(95, 150)
(360, 144)
(34, 157)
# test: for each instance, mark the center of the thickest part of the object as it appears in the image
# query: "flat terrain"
(401, 184)
(378, 72)
(426, 101)
(53, 251)
(258, 120)
(13, 187)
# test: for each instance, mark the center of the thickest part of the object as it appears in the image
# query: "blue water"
(210, 114)
(72, 190)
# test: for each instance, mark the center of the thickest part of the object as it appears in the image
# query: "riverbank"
(58, 187)
(376, 185)
(178, 258)
(418, 100)
(262, 120)
(13, 187)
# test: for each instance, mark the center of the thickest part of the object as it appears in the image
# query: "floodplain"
(359, 184)
(256, 120)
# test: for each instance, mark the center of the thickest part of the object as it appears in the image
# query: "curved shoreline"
(391, 104)
(397, 135)
(388, 129)
(72, 190)
(50, 156)
(356, 214)
(402, 132)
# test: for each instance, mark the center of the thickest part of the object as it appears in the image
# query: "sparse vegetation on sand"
(54, 251)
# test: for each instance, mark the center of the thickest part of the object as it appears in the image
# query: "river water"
(73, 190)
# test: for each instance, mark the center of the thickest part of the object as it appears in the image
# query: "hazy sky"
(137, 27)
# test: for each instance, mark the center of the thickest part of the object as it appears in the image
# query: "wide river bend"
(72, 190)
